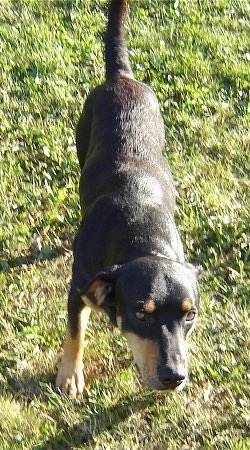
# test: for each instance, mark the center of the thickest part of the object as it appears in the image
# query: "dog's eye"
(190, 316)
(140, 315)
(144, 317)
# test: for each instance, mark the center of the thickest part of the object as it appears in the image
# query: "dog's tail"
(116, 54)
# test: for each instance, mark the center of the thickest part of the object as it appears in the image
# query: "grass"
(195, 55)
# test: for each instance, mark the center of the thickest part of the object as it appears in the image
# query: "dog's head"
(154, 302)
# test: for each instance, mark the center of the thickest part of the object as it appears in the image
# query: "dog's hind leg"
(70, 378)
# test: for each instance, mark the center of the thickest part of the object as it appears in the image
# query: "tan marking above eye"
(186, 305)
(149, 306)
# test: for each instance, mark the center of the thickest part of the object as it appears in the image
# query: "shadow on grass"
(96, 418)
(25, 387)
(83, 433)
(47, 254)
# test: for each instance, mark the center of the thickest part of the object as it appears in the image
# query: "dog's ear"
(197, 270)
(98, 293)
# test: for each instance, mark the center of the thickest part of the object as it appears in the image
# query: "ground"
(195, 55)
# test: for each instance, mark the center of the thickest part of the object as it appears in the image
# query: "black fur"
(128, 237)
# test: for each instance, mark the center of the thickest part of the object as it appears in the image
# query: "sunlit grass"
(195, 55)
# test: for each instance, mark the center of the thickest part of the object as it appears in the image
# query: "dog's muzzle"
(171, 378)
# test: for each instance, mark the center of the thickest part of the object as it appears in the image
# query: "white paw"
(70, 379)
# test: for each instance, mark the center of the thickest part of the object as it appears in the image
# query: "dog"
(128, 257)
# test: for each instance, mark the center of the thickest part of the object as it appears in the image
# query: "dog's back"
(121, 125)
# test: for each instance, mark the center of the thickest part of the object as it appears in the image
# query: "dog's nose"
(171, 378)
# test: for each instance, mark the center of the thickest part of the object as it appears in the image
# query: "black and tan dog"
(128, 257)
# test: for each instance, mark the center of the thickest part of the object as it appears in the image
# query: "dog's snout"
(171, 378)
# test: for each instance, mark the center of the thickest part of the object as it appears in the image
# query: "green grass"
(195, 55)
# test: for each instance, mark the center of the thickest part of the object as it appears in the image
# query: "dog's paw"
(70, 379)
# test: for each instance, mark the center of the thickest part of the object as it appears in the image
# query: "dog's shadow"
(97, 419)
(29, 259)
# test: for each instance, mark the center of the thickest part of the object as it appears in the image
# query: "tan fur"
(149, 306)
(119, 322)
(186, 305)
(99, 289)
(70, 379)
(147, 358)
(90, 304)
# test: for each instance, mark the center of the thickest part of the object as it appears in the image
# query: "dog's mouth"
(155, 384)
(176, 386)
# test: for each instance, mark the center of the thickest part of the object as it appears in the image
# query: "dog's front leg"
(70, 378)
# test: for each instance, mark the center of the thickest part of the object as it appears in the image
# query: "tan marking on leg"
(186, 305)
(90, 304)
(70, 379)
(119, 322)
